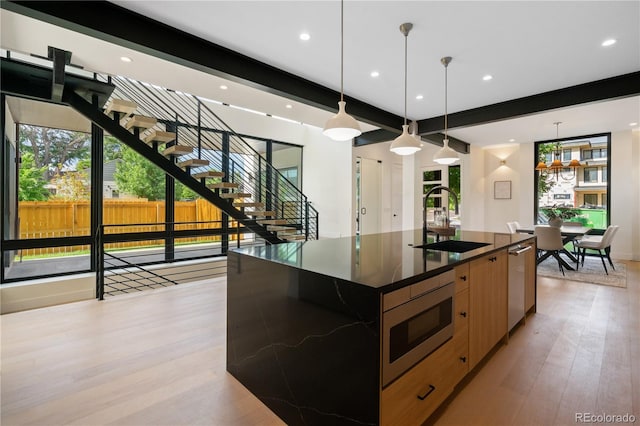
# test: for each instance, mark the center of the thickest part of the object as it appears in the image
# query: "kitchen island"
(305, 320)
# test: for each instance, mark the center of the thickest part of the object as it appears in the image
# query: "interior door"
(396, 197)
(368, 195)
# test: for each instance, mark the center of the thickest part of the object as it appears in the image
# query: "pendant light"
(446, 155)
(405, 144)
(556, 166)
(342, 126)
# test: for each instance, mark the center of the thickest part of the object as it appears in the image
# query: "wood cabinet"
(530, 278)
(412, 398)
(488, 304)
(461, 322)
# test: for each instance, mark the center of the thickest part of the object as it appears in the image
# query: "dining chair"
(513, 226)
(549, 239)
(602, 244)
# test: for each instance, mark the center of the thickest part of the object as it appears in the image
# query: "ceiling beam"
(607, 89)
(378, 136)
(115, 24)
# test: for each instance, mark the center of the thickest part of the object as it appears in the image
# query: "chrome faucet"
(424, 208)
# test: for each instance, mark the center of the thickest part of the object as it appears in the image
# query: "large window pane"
(580, 195)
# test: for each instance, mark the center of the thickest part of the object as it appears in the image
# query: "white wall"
(326, 164)
(486, 168)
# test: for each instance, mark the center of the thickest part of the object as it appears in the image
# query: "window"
(591, 199)
(585, 192)
(591, 174)
(594, 154)
(290, 174)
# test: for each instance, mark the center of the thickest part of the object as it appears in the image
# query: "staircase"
(182, 135)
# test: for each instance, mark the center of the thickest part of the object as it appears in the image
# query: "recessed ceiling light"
(288, 106)
(305, 36)
(419, 97)
(375, 74)
(487, 77)
(223, 87)
(633, 124)
(512, 140)
(609, 42)
(126, 59)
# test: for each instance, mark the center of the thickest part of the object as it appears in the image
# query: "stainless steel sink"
(453, 245)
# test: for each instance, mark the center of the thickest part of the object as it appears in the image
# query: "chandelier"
(556, 167)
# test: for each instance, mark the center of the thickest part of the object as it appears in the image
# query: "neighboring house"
(109, 186)
(587, 188)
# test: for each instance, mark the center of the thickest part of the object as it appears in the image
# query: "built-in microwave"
(416, 320)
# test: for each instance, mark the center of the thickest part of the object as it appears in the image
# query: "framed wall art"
(502, 190)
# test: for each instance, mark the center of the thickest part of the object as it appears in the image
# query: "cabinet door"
(414, 396)
(461, 336)
(488, 303)
(530, 278)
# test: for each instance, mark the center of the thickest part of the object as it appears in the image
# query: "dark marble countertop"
(382, 261)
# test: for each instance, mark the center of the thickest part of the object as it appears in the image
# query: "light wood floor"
(159, 359)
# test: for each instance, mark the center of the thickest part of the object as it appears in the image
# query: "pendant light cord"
(446, 85)
(406, 37)
(341, 50)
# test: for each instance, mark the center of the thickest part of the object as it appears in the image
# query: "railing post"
(100, 263)
(306, 219)
(224, 243)
(199, 129)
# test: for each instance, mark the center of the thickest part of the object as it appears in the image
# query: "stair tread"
(272, 222)
(120, 105)
(178, 150)
(294, 237)
(248, 204)
(141, 121)
(223, 185)
(261, 213)
(208, 174)
(194, 162)
(280, 228)
(235, 195)
(160, 136)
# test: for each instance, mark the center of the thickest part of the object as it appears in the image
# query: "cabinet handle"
(431, 389)
(463, 277)
(463, 359)
(493, 259)
(463, 314)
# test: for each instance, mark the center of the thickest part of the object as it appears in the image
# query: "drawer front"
(412, 398)
(461, 316)
(462, 277)
(461, 354)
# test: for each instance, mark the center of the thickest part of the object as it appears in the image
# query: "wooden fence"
(47, 219)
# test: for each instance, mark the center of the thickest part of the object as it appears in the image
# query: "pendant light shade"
(405, 144)
(342, 127)
(445, 155)
(556, 166)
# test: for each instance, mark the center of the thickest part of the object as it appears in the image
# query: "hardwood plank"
(158, 358)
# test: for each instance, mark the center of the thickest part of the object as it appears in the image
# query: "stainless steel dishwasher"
(516, 283)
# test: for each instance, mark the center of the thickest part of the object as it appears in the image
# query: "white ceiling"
(528, 46)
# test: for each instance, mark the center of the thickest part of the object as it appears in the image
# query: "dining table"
(569, 233)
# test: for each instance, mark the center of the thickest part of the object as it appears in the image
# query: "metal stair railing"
(199, 127)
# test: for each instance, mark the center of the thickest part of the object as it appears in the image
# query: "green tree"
(545, 183)
(31, 180)
(54, 149)
(138, 176)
